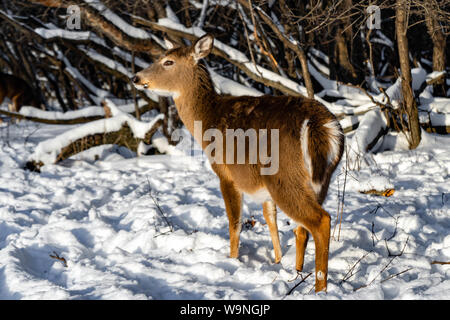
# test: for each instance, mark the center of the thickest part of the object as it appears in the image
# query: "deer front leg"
(301, 235)
(233, 203)
(270, 214)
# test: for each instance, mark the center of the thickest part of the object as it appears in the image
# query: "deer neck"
(196, 101)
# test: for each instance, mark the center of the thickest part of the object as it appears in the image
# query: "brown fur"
(18, 91)
(291, 188)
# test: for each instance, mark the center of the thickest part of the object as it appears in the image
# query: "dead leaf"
(249, 223)
(384, 193)
(57, 257)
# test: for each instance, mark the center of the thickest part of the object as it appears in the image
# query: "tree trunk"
(348, 73)
(438, 37)
(409, 103)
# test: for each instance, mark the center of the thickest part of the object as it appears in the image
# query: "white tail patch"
(317, 187)
(335, 140)
(304, 133)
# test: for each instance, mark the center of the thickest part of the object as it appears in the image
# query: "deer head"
(175, 70)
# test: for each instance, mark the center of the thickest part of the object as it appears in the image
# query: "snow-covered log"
(87, 114)
(120, 129)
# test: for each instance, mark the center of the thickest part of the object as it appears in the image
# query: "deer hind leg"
(233, 205)
(312, 218)
(318, 224)
(300, 232)
(270, 214)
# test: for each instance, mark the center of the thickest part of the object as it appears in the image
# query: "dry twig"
(385, 267)
(299, 283)
(159, 209)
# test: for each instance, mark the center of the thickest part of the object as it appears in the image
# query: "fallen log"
(120, 129)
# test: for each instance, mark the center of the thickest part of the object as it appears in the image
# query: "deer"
(310, 146)
(18, 91)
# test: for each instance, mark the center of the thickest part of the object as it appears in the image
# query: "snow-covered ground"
(102, 217)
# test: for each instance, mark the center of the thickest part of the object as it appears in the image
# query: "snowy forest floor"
(101, 217)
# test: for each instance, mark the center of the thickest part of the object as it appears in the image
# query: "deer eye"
(168, 63)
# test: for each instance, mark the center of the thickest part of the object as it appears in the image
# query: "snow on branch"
(228, 86)
(372, 127)
(99, 17)
(87, 114)
(118, 21)
(55, 32)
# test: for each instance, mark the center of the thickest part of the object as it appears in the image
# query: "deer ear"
(169, 44)
(203, 47)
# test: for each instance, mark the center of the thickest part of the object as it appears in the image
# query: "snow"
(436, 104)
(228, 86)
(53, 31)
(383, 39)
(61, 33)
(436, 119)
(419, 76)
(323, 69)
(319, 54)
(90, 111)
(99, 216)
(161, 143)
(370, 126)
(434, 110)
(369, 181)
(434, 74)
(394, 92)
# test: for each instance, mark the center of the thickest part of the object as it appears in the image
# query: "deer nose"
(135, 79)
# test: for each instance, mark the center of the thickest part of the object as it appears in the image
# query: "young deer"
(18, 91)
(310, 147)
